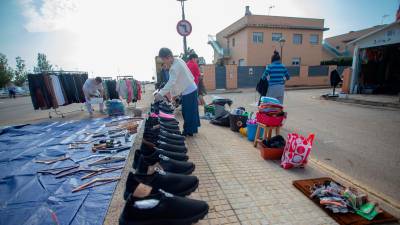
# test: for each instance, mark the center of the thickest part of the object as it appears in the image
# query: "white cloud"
(49, 15)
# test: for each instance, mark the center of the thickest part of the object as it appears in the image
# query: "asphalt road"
(20, 110)
(361, 142)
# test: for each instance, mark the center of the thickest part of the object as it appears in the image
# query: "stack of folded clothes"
(270, 106)
(155, 193)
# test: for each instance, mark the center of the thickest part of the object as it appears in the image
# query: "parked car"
(3, 91)
(21, 91)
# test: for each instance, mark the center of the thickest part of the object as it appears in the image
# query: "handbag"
(297, 150)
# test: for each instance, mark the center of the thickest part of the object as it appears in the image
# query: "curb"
(364, 102)
(241, 90)
(306, 88)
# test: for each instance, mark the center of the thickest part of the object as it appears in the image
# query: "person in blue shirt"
(277, 74)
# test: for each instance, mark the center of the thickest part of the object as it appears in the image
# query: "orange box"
(270, 153)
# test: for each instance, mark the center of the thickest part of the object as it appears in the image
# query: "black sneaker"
(171, 131)
(171, 147)
(164, 163)
(177, 184)
(154, 139)
(168, 120)
(169, 126)
(162, 208)
(171, 141)
(155, 153)
(171, 136)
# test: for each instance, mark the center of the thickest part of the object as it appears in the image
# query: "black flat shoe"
(171, 141)
(171, 136)
(168, 120)
(154, 154)
(169, 125)
(164, 163)
(177, 184)
(162, 208)
(171, 147)
(156, 139)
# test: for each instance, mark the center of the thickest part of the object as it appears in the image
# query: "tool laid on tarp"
(113, 150)
(53, 160)
(104, 144)
(74, 171)
(92, 183)
(56, 171)
(108, 159)
(101, 171)
(75, 146)
(87, 158)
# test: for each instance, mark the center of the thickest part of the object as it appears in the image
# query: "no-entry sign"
(184, 28)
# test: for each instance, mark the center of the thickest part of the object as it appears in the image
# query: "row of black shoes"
(155, 193)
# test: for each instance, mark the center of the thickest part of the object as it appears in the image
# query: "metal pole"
(281, 53)
(184, 37)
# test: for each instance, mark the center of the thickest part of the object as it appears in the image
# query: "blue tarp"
(28, 198)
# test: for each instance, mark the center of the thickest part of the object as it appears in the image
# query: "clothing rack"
(52, 92)
(128, 77)
(57, 112)
(106, 78)
(124, 77)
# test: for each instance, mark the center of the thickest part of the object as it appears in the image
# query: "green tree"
(20, 72)
(42, 64)
(6, 73)
(185, 56)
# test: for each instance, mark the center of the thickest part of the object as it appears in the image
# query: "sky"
(122, 37)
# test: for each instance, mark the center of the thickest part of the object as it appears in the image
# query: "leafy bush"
(341, 61)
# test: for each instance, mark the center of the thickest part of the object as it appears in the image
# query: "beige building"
(251, 40)
(337, 46)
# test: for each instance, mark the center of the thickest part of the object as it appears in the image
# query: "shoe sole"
(186, 221)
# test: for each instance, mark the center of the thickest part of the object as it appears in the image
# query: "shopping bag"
(297, 150)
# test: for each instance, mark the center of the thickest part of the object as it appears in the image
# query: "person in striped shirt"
(277, 74)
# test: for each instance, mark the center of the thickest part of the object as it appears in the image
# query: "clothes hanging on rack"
(110, 89)
(139, 90)
(59, 91)
(122, 89)
(54, 89)
(129, 89)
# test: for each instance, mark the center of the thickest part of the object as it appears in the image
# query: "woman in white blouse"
(181, 81)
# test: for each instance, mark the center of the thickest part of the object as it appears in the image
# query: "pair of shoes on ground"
(149, 204)
(175, 162)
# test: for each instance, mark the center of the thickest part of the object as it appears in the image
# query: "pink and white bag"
(297, 150)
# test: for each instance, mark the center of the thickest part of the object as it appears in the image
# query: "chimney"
(247, 13)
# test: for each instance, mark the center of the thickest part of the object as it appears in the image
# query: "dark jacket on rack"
(39, 94)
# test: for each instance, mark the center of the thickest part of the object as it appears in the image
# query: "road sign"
(184, 28)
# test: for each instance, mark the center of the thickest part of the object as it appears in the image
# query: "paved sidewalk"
(242, 188)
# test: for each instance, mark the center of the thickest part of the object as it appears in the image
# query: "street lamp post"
(281, 43)
(183, 18)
